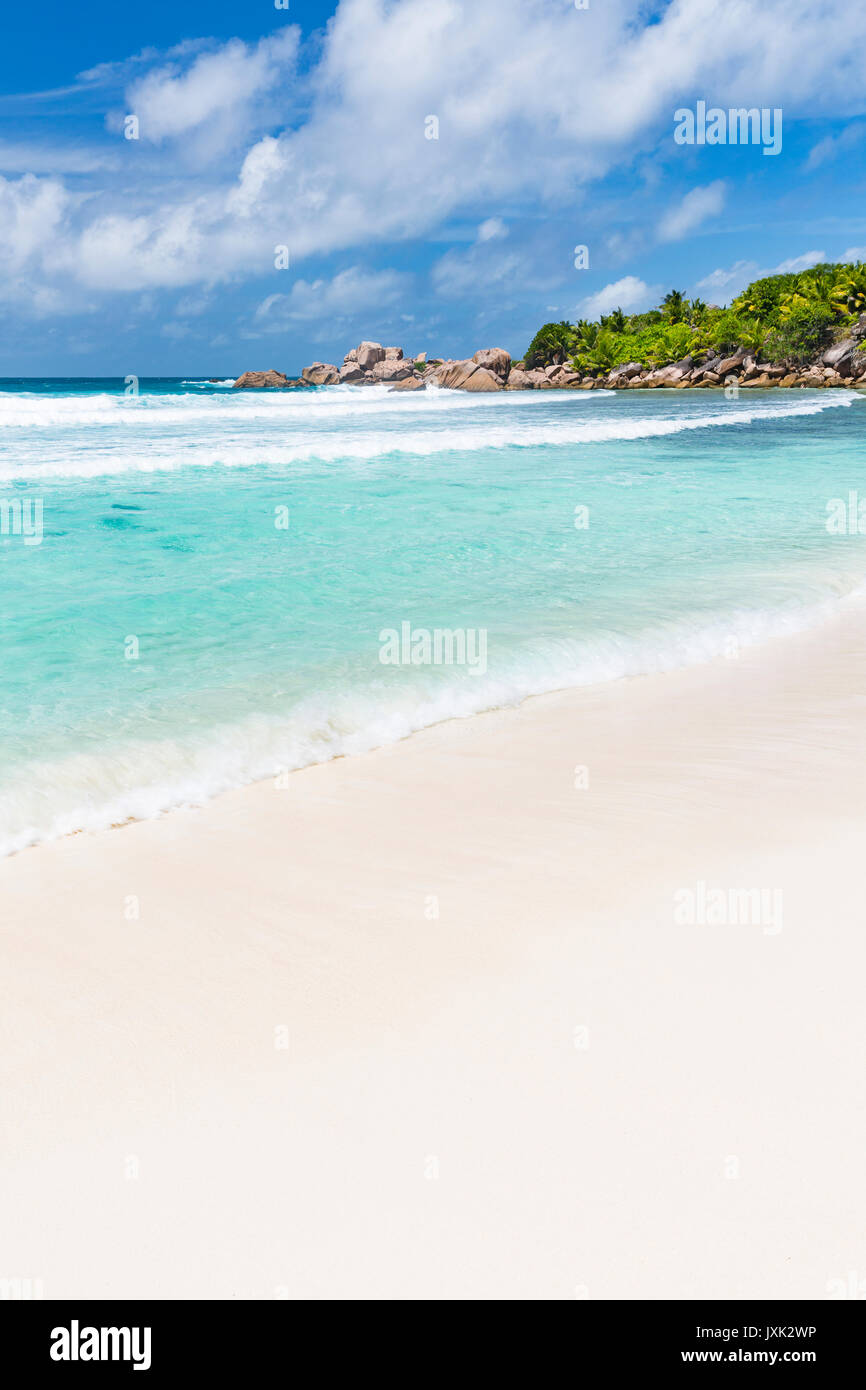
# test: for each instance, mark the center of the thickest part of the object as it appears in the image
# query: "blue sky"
(307, 128)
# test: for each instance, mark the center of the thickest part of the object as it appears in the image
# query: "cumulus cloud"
(215, 100)
(795, 263)
(630, 294)
(345, 163)
(725, 284)
(33, 217)
(351, 292)
(694, 209)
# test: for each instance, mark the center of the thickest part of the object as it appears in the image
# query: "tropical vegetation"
(788, 318)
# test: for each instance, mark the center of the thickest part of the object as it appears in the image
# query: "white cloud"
(191, 305)
(726, 284)
(521, 89)
(32, 158)
(804, 262)
(694, 209)
(492, 230)
(834, 145)
(352, 292)
(629, 294)
(855, 253)
(31, 215)
(459, 273)
(211, 98)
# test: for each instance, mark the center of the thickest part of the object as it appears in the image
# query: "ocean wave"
(141, 780)
(332, 446)
(206, 381)
(221, 409)
(22, 409)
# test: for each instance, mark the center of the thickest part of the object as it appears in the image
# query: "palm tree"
(601, 357)
(586, 332)
(674, 306)
(849, 292)
(615, 321)
(552, 343)
(789, 302)
(752, 335)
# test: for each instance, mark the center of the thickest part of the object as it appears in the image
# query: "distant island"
(803, 329)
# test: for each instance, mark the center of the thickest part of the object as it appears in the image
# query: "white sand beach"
(422, 1023)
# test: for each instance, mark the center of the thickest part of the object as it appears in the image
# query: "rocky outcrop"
(467, 375)
(491, 369)
(730, 364)
(321, 374)
(392, 369)
(350, 372)
(627, 370)
(518, 380)
(838, 353)
(495, 360)
(562, 378)
(842, 357)
(483, 380)
(537, 377)
(257, 380)
(368, 354)
(409, 383)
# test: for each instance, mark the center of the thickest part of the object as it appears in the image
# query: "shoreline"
(502, 1053)
(810, 617)
(554, 362)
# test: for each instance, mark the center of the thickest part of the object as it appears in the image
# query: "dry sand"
(289, 1077)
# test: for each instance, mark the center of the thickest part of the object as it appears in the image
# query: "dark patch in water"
(176, 544)
(126, 507)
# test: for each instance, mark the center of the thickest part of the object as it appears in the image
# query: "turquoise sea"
(201, 599)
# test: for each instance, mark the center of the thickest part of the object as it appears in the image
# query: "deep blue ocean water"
(202, 597)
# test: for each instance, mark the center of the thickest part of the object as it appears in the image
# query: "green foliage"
(554, 342)
(723, 330)
(675, 307)
(653, 346)
(788, 317)
(806, 331)
(849, 291)
(762, 298)
(639, 321)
